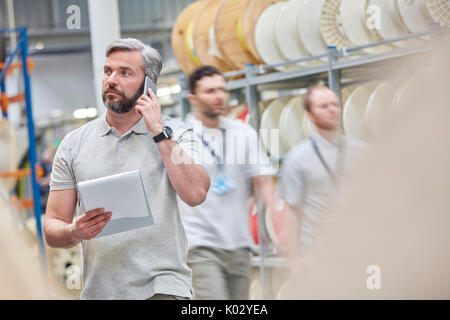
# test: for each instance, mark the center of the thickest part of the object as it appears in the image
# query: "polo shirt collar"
(138, 128)
(104, 127)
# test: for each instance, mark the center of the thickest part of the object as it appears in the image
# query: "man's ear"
(192, 98)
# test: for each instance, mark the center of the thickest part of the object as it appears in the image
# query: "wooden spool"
(179, 36)
(354, 116)
(203, 22)
(251, 13)
(226, 34)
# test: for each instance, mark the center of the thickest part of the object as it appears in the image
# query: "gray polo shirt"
(138, 263)
(305, 183)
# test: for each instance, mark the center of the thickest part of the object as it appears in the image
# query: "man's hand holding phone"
(148, 107)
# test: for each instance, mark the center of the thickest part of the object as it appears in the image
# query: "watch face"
(168, 131)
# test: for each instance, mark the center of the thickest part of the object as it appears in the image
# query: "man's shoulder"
(299, 153)
(300, 149)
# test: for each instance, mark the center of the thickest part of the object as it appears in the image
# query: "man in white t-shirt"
(218, 230)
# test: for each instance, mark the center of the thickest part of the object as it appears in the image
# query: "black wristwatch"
(167, 133)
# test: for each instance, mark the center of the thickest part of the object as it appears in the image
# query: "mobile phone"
(149, 84)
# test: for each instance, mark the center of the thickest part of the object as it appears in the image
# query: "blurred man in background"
(310, 175)
(218, 230)
(389, 236)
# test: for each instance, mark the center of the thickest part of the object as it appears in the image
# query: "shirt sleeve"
(62, 177)
(187, 140)
(258, 163)
(291, 184)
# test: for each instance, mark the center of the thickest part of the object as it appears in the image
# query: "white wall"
(61, 82)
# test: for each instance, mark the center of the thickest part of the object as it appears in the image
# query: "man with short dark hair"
(148, 262)
(312, 170)
(218, 230)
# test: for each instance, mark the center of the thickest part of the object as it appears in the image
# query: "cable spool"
(204, 36)
(415, 15)
(331, 26)
(308, 26)
(262, 105)
(270, 125)
(240, 113)
(346, 92)
(387, 22)
(286, 32)
(379, 111)
(439, 11)
(291, 122)
(255, 289)
(250, 15)
(356, 25)
(265, 37)
(284, 291)
(8, 153)
(407, 95)
(181, 35)
(189, 43)
(227, 36)
(355, 111)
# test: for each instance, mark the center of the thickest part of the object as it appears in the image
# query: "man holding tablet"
(143, 263)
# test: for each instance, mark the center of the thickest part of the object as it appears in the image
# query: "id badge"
(223, 184)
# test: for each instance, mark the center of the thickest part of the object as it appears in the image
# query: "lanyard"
(219, 162)
(324, 163)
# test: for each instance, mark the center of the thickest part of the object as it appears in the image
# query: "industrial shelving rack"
(22, 48)
(335, 70)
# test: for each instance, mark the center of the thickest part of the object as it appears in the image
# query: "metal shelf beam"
(22, 47)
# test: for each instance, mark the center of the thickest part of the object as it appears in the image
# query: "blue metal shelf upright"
(22, 47)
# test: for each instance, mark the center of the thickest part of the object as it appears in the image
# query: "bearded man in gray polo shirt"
(310, 174)
(148, 262)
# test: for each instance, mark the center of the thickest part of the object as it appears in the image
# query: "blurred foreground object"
(390, 238)
(20, 272)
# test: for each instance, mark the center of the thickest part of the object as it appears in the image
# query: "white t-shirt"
(222, 220)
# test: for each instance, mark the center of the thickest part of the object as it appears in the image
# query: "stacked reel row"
(229, 34)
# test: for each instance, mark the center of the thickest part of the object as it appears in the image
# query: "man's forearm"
(58, 235)
(189, 180)
(265, 190)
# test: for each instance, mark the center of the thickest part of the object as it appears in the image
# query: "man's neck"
(209, 122)
(329, 135)
(122, 122)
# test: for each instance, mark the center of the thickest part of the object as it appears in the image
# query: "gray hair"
(152, 58)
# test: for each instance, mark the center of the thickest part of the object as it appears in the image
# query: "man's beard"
(124, 105)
